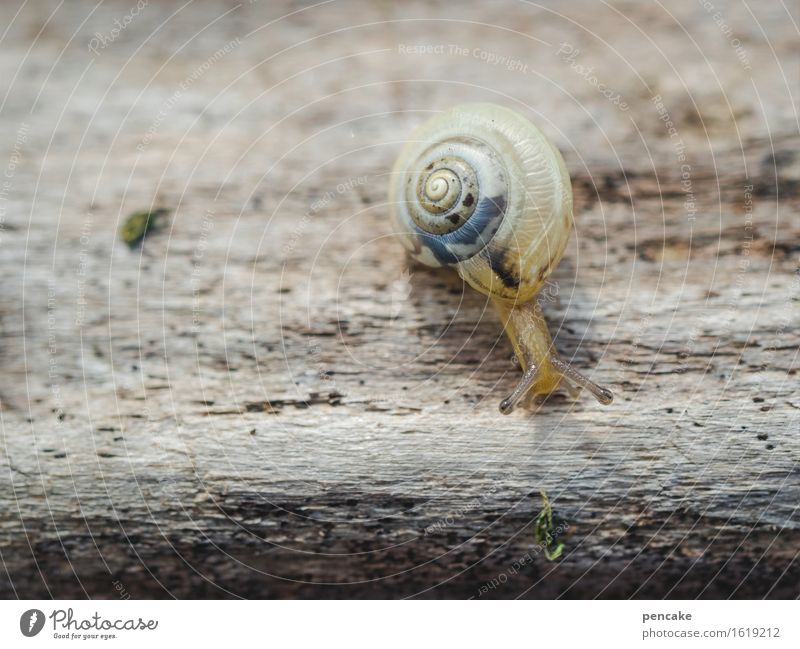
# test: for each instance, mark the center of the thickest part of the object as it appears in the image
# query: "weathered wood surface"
(264, 402)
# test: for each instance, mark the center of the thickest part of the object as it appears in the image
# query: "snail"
(480, 189)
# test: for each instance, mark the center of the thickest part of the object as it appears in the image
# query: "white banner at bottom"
(401, 624)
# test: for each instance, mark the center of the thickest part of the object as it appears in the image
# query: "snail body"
(480, 189)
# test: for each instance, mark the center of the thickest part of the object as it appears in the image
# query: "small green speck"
(543, 530)
(139, 224)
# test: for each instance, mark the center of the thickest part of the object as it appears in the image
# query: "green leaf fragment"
(139, 224)
(543, 531)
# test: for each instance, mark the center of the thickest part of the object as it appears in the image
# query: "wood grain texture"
(266, 401)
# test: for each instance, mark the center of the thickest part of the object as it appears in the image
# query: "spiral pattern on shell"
(443, 197)
(481, 189)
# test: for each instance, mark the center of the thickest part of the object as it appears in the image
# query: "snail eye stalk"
(603, 395)
(508, 404)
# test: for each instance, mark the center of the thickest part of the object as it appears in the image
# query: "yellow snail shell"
(481, 189)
